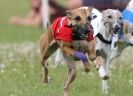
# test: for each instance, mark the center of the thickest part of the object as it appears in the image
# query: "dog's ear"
(103, 12)
(68, 13)
(90, 8)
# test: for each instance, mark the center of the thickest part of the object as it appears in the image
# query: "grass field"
(20, 67)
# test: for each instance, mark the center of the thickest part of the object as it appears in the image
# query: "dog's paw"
(98, 67)
(87, 67)
(106, 77)
(87, 70)
(46, 81)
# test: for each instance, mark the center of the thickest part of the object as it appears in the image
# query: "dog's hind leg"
(49, 51)
(104, 86)
(47, 47)
(72, 72)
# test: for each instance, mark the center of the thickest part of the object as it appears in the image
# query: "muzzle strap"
(79, 34)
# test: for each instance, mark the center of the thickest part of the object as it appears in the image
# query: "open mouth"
(117, 29)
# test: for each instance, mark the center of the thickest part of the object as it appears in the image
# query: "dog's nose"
(117, 29)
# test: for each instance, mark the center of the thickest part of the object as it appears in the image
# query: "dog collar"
(112, 42)
(100, 36)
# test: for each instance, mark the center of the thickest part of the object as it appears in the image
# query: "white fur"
(102, 72)
(130, 6)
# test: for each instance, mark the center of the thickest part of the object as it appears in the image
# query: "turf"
(20, 66)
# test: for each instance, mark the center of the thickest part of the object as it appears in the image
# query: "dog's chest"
(80, 45)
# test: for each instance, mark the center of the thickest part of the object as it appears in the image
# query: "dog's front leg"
(101, 67)
(103, 72)
(91, 50)
(71, 52)
(106, 76)
(68, 51)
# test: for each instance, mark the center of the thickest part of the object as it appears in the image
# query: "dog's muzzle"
(118, 28)
(80, 33)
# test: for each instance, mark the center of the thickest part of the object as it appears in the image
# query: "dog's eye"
(110, 17)
(89, 18)
(77, 18)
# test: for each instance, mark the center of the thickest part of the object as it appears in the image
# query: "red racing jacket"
(61, 30)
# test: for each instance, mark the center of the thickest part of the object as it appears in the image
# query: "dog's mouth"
(80, 33)
(117, 29)
(114, 29)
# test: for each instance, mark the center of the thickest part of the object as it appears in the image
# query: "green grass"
(20, 57)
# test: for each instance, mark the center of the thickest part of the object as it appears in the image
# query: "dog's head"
(113, 20)
(80, 19)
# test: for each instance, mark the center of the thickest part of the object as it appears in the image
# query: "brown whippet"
(73, 35)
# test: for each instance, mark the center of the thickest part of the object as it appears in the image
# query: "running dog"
(73, 34)
(111, 31)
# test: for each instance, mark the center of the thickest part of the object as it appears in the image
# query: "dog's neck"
(105, 31)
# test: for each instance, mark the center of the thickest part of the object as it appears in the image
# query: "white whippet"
(110, 31)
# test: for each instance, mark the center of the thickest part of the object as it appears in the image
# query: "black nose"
(117, 29)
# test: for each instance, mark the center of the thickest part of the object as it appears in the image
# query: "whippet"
(73, 34)
(110, 30)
